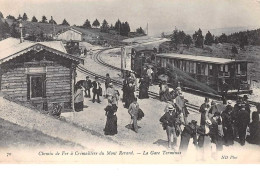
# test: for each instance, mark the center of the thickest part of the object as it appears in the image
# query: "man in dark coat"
(204, 109)
(87, 85)
(188, 132)
(242, 121)
(169, 123)
(96, 90)
(254, 127)
(228, 125)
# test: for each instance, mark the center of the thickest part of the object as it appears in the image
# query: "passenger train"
(210, 71)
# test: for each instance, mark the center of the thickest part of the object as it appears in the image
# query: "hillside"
(91, 35)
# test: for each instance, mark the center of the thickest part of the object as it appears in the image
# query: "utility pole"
(21, 31)
(147, 29)
(53, 27)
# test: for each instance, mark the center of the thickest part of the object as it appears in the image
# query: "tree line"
(121, 28)
(241, 38)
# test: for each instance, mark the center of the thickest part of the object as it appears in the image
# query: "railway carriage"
(209, 70)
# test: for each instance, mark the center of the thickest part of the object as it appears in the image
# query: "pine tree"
(10, 17)
(198, 38)
(25, 18)
(96, 23)
(87, 24)
(44, 19)
(104, 27)
(140, 31)
(1, 15)
(223, 38)
(52, 21)
(209, 39)
(34, 19)
(118, 25)
(187, 40)
(19, 17)
(65, 23)
(243, 39)
(4, 28)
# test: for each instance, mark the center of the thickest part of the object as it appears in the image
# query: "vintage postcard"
(130, 81)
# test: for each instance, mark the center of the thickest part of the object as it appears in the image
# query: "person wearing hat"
(242, 121)
(204, 141)
(204, 110)
(97, 90)
(143, 88)
(181, 103)
(107, 82)
(87, 85)
(245, 102)
(111, 123)
(188, 132)
(130, 94)
(133, 111)
(169, 123)
(254, 127)
(227, 122)
(216, 132)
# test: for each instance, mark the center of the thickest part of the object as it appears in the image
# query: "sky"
(161, 15)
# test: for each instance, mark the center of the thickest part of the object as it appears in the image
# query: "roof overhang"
(39, 47)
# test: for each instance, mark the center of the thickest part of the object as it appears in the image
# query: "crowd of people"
(219, 124)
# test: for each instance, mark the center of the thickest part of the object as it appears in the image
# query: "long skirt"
(78, 106)
(228, 136)
(111, 125)
(185, 139)
(143, 92)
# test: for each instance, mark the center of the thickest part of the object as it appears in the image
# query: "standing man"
(204, 109)
(243, 120)
(107, 82)
(169, 122)
(87, 85)
(150, 75)
(133, 111)
(96, 90)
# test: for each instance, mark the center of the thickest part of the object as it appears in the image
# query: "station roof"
(11, 48)
(195, 58)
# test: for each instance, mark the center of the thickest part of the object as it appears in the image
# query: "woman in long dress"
(130, 95)
(79, 98)
(111, 123)
(143, 88)
(228, 126)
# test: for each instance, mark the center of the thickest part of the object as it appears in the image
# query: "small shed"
(40, 73)
(70, 35)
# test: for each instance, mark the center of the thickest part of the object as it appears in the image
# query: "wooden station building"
(40, 73)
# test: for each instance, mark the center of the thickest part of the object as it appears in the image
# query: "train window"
(206, 70)
(188, 66)
(221, 68)
(226, 68)
(210, 70)
(184, 66)
(238, 69)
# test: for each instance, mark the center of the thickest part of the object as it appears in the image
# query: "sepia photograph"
(130, 81)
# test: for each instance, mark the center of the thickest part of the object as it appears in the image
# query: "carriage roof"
(195, 58)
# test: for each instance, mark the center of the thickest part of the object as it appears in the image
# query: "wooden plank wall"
(58, 84)
(14, 83)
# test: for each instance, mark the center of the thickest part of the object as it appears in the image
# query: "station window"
(36, 86)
